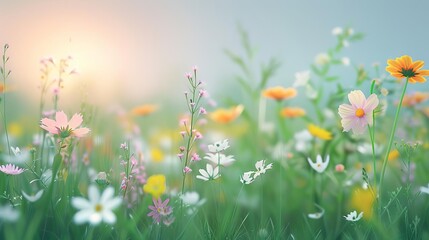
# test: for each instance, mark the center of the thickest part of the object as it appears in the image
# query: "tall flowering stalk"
(190, 134)
(5, 74)
(402, 67)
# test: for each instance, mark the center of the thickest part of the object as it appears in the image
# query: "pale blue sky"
(141, 48)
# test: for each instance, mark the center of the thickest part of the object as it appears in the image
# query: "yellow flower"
(404, 67)
(292, 112)
(279, 93)
(362, 200)
(155, 185)
(157, 155)
(394, 154)
(144, 110)
(319, 132)
(14, 129)
(222, 115)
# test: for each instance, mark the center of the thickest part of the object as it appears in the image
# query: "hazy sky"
(140, 49)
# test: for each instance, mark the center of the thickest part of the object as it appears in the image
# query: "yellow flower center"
(360, 112)
(98, 208)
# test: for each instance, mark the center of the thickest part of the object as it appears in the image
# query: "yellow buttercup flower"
(155, 185)
(279, 93)
(404, 67)
(157, 155)
(394, 154)
(292, 112)
(362, 200)
(144, 110)
(319, 132)
(14, 129)
(222, 115)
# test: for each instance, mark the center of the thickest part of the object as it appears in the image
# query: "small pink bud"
(339, 168)
(203, 110)
(198, 135)
(195, 157)
(187, 170)
(188, 75)
(180, 155)
(133, 161)
(182, 148)
(183, 133)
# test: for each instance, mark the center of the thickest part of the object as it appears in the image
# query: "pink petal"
(81, 132)
(49, 125)
(346, 110)
(357, 98)
(75, 121)
(360, 126)
(371, 103)
(347, 123)
(61, 119)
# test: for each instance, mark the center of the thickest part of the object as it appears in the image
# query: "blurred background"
(136, 52)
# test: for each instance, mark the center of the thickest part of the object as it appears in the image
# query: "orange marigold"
(404, 67)
(222, 115)
(414, 98)
(292, 112)
(280, 93)
(144, 110)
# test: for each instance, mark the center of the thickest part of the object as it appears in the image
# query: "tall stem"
(5, 75)
(392, 135)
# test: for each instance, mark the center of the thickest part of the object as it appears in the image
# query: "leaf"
(237, 60)
(268, 71)
(356, 37)
(332, 78)
(246, 42)
(244, 84)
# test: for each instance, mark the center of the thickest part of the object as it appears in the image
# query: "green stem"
(392, 135)
(4, 75)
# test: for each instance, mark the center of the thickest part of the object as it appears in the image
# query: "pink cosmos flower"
(160, 211)
(11, 169)
(359, 114)
(64, 128)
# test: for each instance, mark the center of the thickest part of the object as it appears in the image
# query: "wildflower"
(339, 168)
(322, 59)
(261, 168)
(353, 217)
(11, 169)
(144, 110)
(155, 185)
(317, 215)
(192, 201)
(359, 114)
(202, 111)
(319, 132)
(101, 179)
(124, 146)
(247, 177)
(219, 158)
(97, 208)
(33, 197)
(404, 67)
(302, 140)
(195, 157)
(393, 155)
(292, 112)
(19, 156)
(218, 146)
(301, 79)
(60, 126)
(226, 115)
(8, 214)
(362, 200)
(209, 173)
(279, 93)
(187, 169)
(160, 211)
(424, 189)
(319, 166)
(337, 31)
(414, 98)
(345, 61)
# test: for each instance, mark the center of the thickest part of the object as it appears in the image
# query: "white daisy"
(337, 31)
(219, 158)
(301, 79)
(218, 146)
(317, 215)
(261, 168)
(247, 177)
(209, 173)
(33, 197)
(97, 208)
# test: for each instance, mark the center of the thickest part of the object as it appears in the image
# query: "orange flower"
(415, 98)
(405, 67)
(144, 110)
(291, 112)
(222, 115)
(279, 93)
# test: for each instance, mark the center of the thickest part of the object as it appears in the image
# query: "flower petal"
(75, 121)
(61, 119)
(109, 217)
(371, 103)
(357, 98)
(80, 132)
